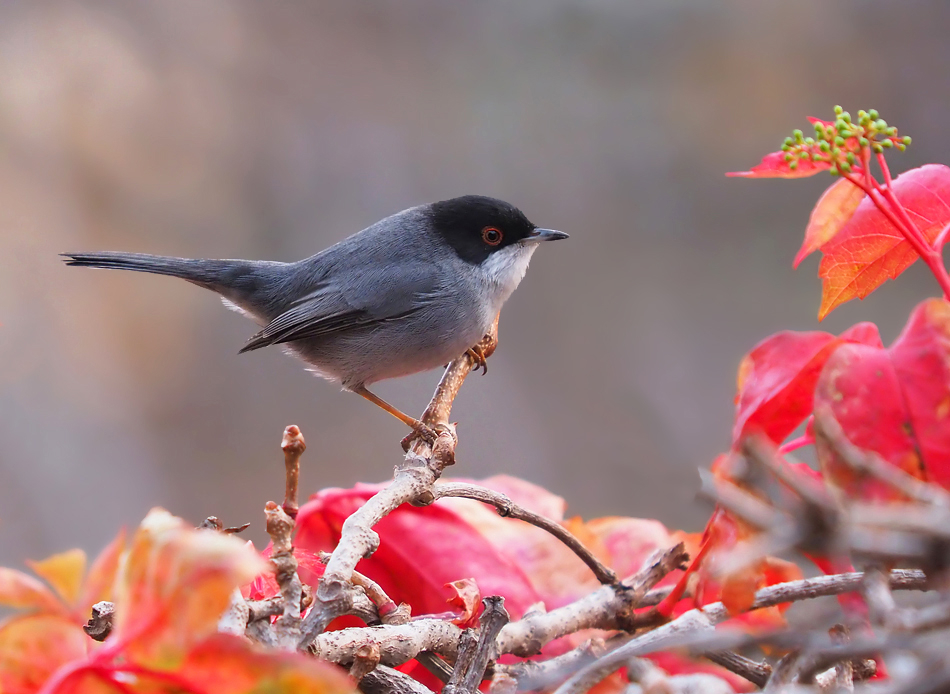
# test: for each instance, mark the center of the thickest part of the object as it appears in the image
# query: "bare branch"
(280, 527)
(508, 509)
(397, 642)
(385, 680)
(467, 677)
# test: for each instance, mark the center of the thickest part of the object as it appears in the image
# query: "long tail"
(207, 273)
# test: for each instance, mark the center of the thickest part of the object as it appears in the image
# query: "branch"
(280, 527)
(608, 608)
(508, 509)
(466, 677)
(397, 642)
(703, 620)
(412, 481)
(385, 680)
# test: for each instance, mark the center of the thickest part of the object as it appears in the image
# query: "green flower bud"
(824, 147)
(887, 144)
(803, 154)
(880, 125)
(785, 148)
(838, 110)
(878, 149)
(906, 140)
(850, 158)
(863, 141)
(839, 141)
(789, 142)
(834, 172)
(901, 147)
(873, 114)
(846, 117)
(788, 157)
(891, 131)
(846, 167)
(793, 165)
(817, 157)
(798, 135)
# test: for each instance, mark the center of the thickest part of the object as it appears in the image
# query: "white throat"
(504, 270)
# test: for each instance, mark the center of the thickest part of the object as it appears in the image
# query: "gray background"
(228, 128)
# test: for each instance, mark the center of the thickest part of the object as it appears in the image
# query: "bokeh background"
(238, 128)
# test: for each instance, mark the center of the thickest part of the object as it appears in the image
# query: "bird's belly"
(389, 350)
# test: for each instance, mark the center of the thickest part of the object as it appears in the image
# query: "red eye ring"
(492, 236)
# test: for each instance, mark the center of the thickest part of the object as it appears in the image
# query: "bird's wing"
(371, 296)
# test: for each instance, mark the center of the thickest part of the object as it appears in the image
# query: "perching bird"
(408, 294)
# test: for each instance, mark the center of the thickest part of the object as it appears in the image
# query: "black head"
(477, 226)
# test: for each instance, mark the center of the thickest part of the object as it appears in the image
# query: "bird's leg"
(418, 428)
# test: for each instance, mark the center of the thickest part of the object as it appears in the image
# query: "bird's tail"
(207, 273)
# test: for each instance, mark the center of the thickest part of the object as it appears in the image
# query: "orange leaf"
(32, 647)
(174, 584)
(868, 249)
(64, 572)
(835, 207)
(22, 591)
(230, 665)
(467, 598)
(101, 575)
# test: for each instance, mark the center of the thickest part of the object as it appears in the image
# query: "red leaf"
(776, 380)
(893, 401)
(868, 250)
(774, 166)
(835, 207)
(421, 549)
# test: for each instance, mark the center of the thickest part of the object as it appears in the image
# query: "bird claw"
(424, 432)
(477, 355)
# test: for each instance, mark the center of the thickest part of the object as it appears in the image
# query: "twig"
(755, 672)
(466, 677)
(508, 509)
(540, 674)
(293, 445)
(385, 680)
(280, 527)
(608, 607)
(697, 621)
(397, 642)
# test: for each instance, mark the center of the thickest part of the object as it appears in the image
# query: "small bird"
(407, 294)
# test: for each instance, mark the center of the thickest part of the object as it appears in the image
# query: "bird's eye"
(491, 236)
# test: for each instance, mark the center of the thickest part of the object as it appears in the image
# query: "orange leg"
(419, 427)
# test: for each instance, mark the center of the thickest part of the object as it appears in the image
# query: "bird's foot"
(478, 356)
(425, 432)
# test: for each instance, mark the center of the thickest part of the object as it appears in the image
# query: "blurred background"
(242, 129)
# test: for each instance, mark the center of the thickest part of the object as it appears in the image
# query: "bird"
(408, 294)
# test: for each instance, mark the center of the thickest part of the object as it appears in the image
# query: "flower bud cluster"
(842, 142)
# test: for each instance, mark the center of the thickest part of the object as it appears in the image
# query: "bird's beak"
(539, 235)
